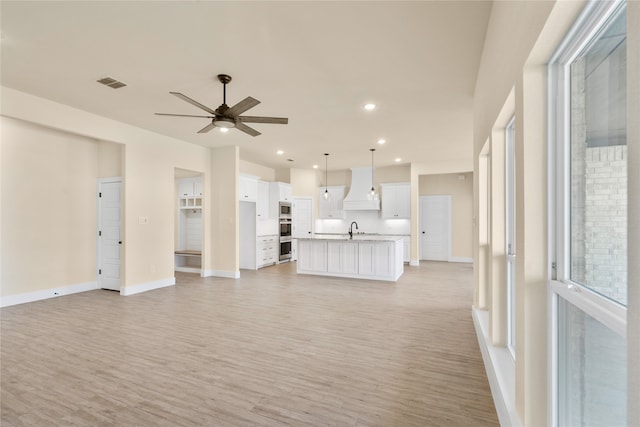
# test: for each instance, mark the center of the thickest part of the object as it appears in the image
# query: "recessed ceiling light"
(370, 106)
(224, 130)
(315, 166)
(381, 141)
(398, 159)
(279, 152)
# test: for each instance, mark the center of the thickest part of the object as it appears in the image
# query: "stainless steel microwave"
(285, 210)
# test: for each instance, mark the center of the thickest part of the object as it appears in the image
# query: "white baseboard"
(460, 259)
(414, 263)
(47, 293)
(221, 273)
(501, 371)
(188, 269)
(149, 286)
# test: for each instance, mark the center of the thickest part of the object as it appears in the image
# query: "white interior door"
(109, 242)
(435, 227)
(302, 217)
(301, 221)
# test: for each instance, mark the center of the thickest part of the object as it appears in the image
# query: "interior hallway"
(272, 348)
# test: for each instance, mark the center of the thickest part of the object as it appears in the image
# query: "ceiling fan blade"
(183, 115)
(242, 106)
(193, 102)
(207, 128)
(246, 129)
(274, 120)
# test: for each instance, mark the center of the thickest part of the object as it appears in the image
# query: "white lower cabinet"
(366, 260)
(406, 241)
(267, 250)
(312, 255)
(358, 259)
(384, 256)
(377, 259)
(342, 257)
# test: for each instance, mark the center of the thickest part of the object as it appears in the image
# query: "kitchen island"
(360, 257)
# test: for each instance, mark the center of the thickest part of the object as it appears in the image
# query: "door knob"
(423, 232)
(120, 242)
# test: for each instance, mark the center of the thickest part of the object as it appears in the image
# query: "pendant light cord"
(372, 176)
(326, 180)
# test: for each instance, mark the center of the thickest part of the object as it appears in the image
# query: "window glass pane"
(592, 371)
(599, 163)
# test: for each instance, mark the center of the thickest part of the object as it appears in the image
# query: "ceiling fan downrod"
(224, 79)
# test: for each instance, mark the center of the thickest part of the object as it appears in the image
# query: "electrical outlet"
(143, 220)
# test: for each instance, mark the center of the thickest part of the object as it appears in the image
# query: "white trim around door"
(109, 242)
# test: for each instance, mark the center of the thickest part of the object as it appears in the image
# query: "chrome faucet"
(351, 229)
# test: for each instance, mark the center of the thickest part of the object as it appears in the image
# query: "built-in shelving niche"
(188, 232)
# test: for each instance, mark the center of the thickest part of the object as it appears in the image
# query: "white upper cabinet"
(280, 192)
(285, 192)
(262, 203)
(189, 187)
(197, 187)
(396, 201)
(331, 208)
(248, 189)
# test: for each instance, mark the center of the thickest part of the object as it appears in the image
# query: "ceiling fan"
(228, 117)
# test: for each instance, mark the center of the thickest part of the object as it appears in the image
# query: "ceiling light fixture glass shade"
(326, 189)
(224, 130)
(224, 122)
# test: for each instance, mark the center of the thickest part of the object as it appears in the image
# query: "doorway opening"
(188, 224)
(109, 233)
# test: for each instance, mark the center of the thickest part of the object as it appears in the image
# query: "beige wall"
(283, 175)
(49, 208)
(304, 182)
(148, 171)
(461, 192)
(109, 159)
(224, 208)
(400, 173)
(263, 172)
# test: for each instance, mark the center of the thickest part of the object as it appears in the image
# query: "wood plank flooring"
(270, 349)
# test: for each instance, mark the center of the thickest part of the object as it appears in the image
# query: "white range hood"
(359, 197)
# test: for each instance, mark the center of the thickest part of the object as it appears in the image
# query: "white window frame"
(606, 311)
(509, 150)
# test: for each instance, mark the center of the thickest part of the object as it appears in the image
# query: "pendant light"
(373, 189)
(326, 190)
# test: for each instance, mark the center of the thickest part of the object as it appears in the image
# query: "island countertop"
(356, 237)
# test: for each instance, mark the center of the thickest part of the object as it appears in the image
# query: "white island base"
(363, 257)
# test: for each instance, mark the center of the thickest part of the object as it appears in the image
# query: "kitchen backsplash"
(368, 222)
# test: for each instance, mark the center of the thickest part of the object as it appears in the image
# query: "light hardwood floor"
(270, 349)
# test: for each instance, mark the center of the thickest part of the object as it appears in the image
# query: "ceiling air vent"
(112, 83)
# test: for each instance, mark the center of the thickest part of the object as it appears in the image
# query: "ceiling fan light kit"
(225, 117)
(224, 122)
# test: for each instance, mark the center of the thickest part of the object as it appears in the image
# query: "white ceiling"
(316, 63)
